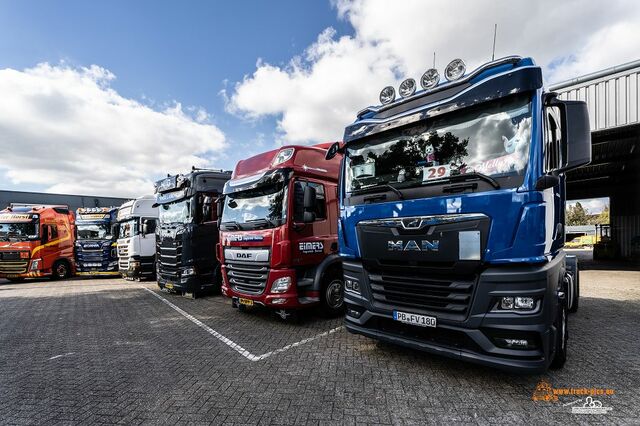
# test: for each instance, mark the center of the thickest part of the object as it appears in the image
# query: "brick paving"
(107, 351)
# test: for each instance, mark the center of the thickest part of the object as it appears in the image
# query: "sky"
(591, 205)
(103, 98)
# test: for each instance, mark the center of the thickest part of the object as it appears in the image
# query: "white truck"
(137, 220)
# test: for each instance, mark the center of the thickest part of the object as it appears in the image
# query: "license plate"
(13, 276)
(245, 302)
(168, 286)
(414, 319)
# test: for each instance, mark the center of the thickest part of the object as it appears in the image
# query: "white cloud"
(69, 130)
(316, 94)
(591, 205)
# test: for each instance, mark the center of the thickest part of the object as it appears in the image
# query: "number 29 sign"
(435, 172)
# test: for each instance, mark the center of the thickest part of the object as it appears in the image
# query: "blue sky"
(165, 51)
(103, 97)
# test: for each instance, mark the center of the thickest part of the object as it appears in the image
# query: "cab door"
(312, 241)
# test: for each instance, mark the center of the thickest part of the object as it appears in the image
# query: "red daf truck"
(278, 232)
(36, 241)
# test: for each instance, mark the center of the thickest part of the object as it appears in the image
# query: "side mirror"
(219, 206)
(114, 230)
(575, 133)
(206, 209)
(308, 217)
(333, 150)
(309, 198)
(546, 181)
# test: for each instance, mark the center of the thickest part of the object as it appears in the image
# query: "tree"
(577, 215)
(603, 218)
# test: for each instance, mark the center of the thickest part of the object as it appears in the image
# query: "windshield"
(18, 231)
(492, 139)
(256, 205)
(128, 229)
(178, 212)
(94, 231)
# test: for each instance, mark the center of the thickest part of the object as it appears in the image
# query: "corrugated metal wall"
(624, 229)
(613, 96)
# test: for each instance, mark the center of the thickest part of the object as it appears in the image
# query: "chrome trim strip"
(418, 222)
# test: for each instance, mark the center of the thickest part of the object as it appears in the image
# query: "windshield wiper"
(262, 221)
(465, 176)
(377, 186)
(233, 224)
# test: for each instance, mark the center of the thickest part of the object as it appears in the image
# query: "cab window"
(298, 194)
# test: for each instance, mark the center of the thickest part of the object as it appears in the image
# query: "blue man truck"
(96, 237)
(452, 222)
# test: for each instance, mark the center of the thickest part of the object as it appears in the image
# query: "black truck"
(188, 234)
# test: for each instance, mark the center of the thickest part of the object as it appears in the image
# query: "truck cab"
(137, 220)
(36, 241)
(452, 217)
(278, 232)
(188, 231)
(96, 241)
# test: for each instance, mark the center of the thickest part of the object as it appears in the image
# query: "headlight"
(188, 271)
(407, 88)
(455, 69)
(352, 285)
(430, 78)
(281, 285)
(35, 264)
(387, 95)
(517, 303)
(283, 155)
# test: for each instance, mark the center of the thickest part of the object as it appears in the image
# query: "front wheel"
(332, 295)
(60, 270)
(562, 336)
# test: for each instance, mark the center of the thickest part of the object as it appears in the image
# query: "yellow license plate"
(245, 302)
(13, 276)
(168, 286)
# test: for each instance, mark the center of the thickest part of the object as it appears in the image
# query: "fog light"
(281, 285)
(352, 285)
(513, 343)
(455, 69)
(387, 95)
(407, 87)
(506, 303)
(524, 303)
(352, 312)
(188, 272)
(279, 301)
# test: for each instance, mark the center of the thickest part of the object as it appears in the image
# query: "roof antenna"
(434, 59)
(493, 53)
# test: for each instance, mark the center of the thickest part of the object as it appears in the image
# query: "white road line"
(236, 347)
(59, 356)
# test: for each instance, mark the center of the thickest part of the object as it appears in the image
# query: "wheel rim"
(61, 270)
(334, 293)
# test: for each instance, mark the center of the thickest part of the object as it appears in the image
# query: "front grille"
(447, 298)
(123, 250)
(248, 277)
(13, 267)
(169, 257)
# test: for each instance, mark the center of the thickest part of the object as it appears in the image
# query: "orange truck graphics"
(36, 241)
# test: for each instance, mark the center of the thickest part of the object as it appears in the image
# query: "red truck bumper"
(287, 300)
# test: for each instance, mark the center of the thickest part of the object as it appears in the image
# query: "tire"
(60, 270)
(562, 336)
(576, 297)
(332, 295)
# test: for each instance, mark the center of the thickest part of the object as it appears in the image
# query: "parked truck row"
(437, 223)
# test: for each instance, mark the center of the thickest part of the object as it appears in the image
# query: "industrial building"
(613, 99)
(73, 201)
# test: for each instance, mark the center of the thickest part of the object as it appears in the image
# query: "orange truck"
(36, 241)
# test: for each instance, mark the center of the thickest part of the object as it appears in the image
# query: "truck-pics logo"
(412, 245)
(311, 247)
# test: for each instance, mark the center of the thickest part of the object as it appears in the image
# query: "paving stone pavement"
(108, 351)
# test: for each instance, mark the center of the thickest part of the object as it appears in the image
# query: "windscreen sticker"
(311, 247)
(15, 217)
